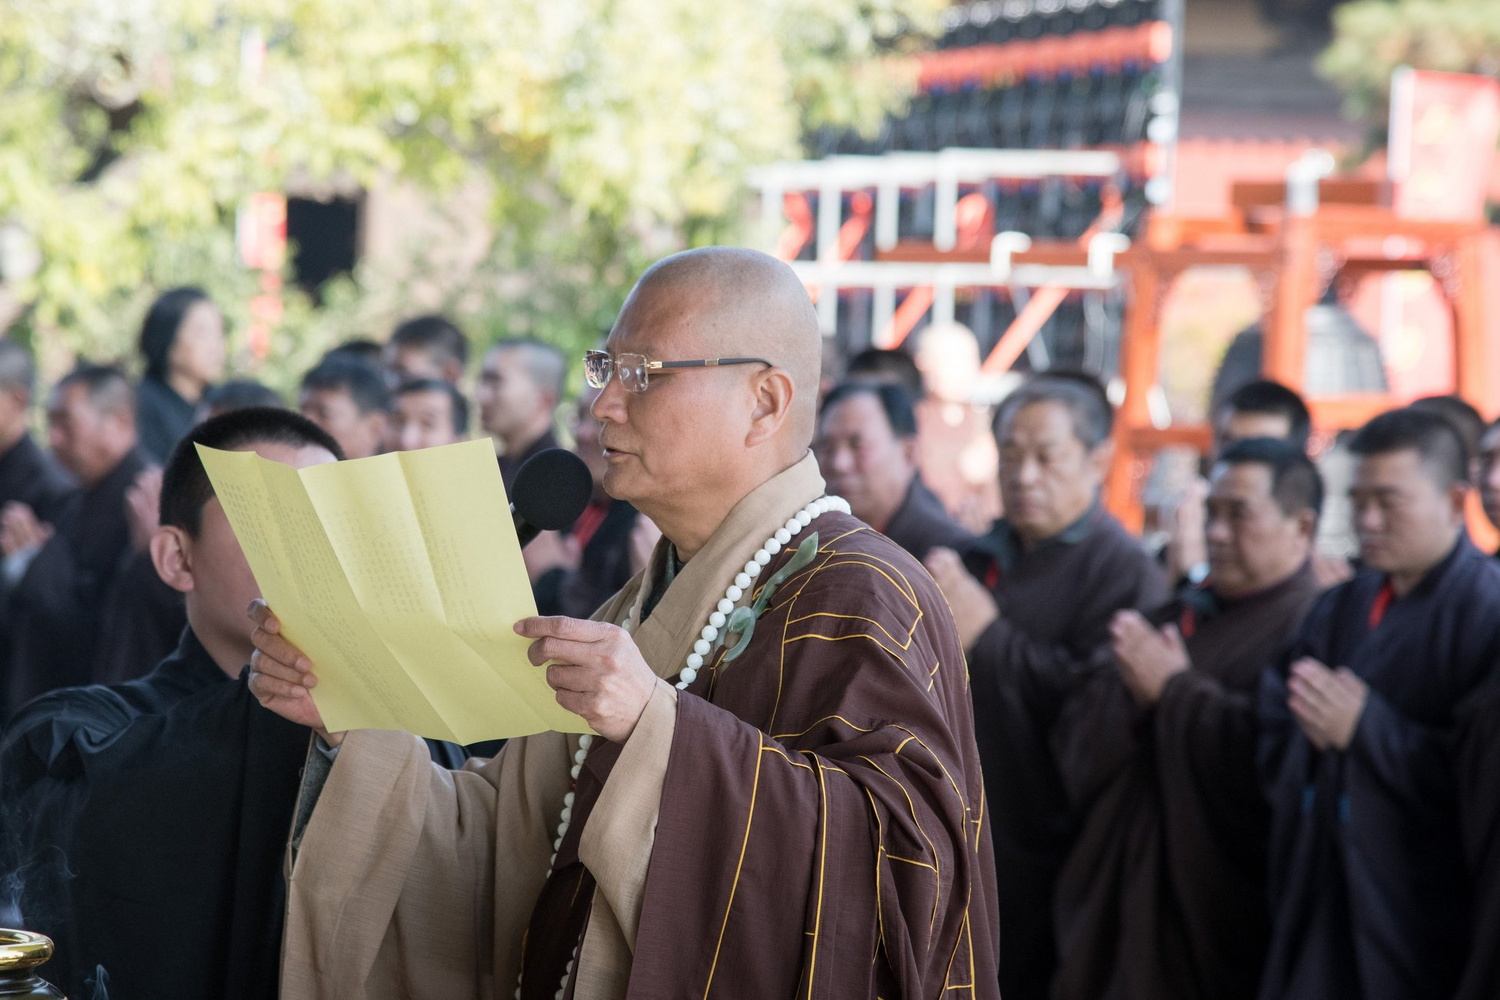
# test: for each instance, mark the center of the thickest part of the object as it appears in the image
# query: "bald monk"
(785, 803)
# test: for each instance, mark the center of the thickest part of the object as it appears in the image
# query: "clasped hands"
(595, 668)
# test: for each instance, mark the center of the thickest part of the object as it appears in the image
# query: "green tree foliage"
(1372, 38)
(605, 132)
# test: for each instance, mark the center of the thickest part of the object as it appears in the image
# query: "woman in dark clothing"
(182, 340)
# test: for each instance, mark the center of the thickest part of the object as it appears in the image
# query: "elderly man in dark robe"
(1371, 884)
(53, 613)
(520, 385)
(1033, 601)
(1164, 893)
(783, 797)
(867, 447)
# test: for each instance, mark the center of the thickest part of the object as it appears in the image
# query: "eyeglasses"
(634, 370)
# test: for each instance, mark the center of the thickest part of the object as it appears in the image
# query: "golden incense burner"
(20, 953)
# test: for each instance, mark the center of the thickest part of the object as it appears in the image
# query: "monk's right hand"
(281, 676)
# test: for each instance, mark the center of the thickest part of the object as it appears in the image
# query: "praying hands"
(1326, 703)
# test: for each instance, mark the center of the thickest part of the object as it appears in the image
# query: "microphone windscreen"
(551, 489)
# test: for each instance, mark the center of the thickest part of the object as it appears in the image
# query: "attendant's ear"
(1307, 524)
(911, 451)
(1100, 457)
(773, 391)
(172, 555)
(1458, 496)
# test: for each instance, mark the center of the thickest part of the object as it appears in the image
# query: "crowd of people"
(1234, 767)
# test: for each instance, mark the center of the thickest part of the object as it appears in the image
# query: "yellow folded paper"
(401, 577)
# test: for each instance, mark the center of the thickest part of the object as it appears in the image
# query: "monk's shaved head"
(695, 439)
(744, 303)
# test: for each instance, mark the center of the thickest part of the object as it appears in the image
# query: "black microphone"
(551, 489)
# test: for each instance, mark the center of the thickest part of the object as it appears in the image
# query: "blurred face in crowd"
(88, 439)
(1406, 521)
(199, 351)
(511, 404)
(1048, 477)
(422, 420)
(948, 357)
(1241, 425)
(863, 459)
(334, 410)
(1489, 474)
(1252, 543)
(212, 571)
(586, 435)
(409, 362)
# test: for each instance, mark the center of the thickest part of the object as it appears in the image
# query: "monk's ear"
(1307, 524)
(773, 403)
(1458, 496)
(1100, 457)
(911, 450)
(172, 555)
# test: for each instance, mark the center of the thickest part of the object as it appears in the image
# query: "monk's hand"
(596, 670)
(1326, 703)
(143, 508)
(1187, 543)
(974, 610)
(1147, 658)
(20, 530)
(281, 675)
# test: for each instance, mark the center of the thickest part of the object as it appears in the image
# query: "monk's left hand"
(596, 670)
(972, 606)
(1326, 703)
(1147, 658)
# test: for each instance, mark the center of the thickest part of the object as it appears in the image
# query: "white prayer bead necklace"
(702, 647)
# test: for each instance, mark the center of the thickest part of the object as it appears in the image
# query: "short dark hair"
(1082, 395)
(877, 364)
(1422, 431)
(1463, 417)
(159, 329)
(240, 394)
(1275, 400)
(434, 333)
(458, 406)
(185, 486)
(364, 383)
(1296, 484)
(893, 399)
(105, 385)
(355, 349)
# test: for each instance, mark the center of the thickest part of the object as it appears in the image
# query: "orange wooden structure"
(1294, 257)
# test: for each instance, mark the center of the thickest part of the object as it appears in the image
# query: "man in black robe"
(1369, 878)
(147, 820)
(1163, 896)
(520, 386)
(867, 447)
(27, 474)
(1050, 578)
(54, 611)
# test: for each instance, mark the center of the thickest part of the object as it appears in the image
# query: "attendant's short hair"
(544, 363)
(1272, 399)
(240, 394)
(458, 406)
(17, 372)
(1296, 484)
(356, 349)
(436, 334)
(159, 329)
(185, 486)
(882, 365)
(107, 388)
(893, 400)
(1422, 431)
(1463, 417)
(364, 383)
(1082, 396)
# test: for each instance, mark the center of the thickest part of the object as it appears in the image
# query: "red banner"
(1444, 127)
